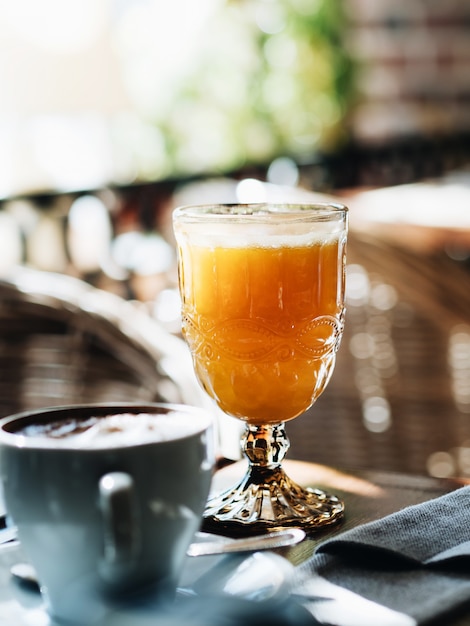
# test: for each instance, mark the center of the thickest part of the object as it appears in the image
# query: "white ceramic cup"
(104, 519)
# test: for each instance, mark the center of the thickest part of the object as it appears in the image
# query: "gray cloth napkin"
(415, 561)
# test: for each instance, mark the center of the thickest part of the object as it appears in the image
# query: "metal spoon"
(270, 541)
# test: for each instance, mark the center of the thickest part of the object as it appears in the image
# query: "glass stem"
(265, 445)
(265, 497)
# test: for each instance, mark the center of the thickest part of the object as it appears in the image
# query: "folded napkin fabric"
(415, 561)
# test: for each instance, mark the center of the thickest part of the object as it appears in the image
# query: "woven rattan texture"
(391, 403)
(64, 342)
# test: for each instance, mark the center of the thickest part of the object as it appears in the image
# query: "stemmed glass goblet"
(262, 290)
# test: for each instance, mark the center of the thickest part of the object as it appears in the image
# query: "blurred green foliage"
(268, 78)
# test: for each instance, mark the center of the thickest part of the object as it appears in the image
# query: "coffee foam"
(111, 431)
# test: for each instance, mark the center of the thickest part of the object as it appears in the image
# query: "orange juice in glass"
(262, 289)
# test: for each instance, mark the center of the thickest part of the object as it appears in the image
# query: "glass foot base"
(267, 498)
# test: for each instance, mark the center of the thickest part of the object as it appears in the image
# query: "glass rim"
(260, 211)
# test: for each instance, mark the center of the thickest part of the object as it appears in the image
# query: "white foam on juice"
(237, 235)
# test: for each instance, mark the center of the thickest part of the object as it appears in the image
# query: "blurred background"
(128, 91)
(112, 112)
(133, 99)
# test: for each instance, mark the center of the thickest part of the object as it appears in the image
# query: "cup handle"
(121, 534)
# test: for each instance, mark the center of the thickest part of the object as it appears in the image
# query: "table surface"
(367, 496)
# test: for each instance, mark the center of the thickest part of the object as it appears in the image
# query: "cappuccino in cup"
(106, 500)
(120, 429)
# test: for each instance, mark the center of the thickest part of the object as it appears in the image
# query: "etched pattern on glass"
(253, 340)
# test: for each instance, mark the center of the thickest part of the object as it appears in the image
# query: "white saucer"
(258, 577)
